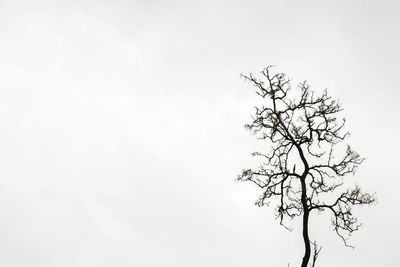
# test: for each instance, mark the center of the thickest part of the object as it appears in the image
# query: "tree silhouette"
(304, 169)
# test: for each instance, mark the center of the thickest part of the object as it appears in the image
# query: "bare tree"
(304, 168)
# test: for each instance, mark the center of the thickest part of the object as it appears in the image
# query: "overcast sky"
(121, 129)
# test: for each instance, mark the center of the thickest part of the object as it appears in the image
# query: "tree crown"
(305, 161)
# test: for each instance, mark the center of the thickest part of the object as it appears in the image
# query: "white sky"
(121, 128)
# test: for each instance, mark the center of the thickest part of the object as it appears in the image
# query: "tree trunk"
(306, 239)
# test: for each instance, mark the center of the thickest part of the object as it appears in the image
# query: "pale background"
(121, 128)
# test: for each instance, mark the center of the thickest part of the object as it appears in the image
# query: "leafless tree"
(304, 169)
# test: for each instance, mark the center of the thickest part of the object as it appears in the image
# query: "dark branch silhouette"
(305, 161)
(317, 250)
